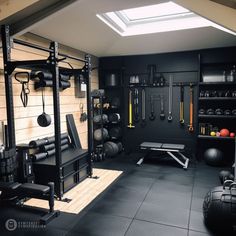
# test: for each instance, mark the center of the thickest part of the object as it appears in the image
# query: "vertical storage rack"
(51, 64)
(217, 104)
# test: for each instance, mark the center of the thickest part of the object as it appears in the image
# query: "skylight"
(157, 18)
(154, 11)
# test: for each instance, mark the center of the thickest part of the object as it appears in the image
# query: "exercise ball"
(100, 134)
(111, 149)
(225, 175)
(98, 119)
(213, 157)
(224, 132)
(219, 208)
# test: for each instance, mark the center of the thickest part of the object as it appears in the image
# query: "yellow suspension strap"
(130, 125)
(190, 127)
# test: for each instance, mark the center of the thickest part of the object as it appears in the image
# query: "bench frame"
(171, 152)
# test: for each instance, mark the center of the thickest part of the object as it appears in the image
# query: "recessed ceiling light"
(157, 18)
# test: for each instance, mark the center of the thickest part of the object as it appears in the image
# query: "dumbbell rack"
(98, 153)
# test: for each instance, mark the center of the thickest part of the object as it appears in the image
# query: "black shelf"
(217, 98)
(217, 116)
(217, 83)
(215, 138)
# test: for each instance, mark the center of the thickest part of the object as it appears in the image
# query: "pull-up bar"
(31, 45)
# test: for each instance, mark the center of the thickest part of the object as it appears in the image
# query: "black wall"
(185, 67)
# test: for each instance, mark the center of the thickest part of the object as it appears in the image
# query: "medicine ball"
(98, 119)
(224, 132)
(98, 134)
(120, 146)
(115, 132)
(225, 175)
(213, 157)
(111, 149)
(114, 117)
(219, 207)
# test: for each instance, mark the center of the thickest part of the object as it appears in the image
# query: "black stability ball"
(213, 157)
(219, 207)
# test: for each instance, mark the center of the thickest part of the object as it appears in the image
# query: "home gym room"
(118, 117)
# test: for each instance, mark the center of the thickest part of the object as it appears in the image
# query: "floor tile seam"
(139, 207)
(159, 223)
(190, 207)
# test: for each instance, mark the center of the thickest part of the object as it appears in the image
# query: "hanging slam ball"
(213, 156)
(224, 132)
(225, 175)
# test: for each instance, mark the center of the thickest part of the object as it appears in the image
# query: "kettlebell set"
(218, 111)
(215, 93)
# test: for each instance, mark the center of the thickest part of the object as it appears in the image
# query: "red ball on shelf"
(224, 132)
(232, 134)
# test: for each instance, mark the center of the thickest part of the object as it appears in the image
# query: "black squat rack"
(51, 64)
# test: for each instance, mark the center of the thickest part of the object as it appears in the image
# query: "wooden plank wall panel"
(26, 117)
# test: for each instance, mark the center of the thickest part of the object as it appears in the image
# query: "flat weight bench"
(170, 149)
(15, 192)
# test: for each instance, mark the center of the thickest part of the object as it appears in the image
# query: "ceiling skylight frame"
(124, 26)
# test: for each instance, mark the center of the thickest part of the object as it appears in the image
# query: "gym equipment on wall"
(136, 105)
(191, 111)
(45, 79)
(83, 115)
(25, 91)
(181, 105)
(143, 111)
(162, 114)
(170, 99)
(49, 64)
(111, 80)
(130, 118)
(44, 119)
(151, 73)
(152, 113)
(213, 157)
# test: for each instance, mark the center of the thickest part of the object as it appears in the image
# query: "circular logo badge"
(11, 225)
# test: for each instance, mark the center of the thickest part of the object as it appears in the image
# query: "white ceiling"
(78, 27)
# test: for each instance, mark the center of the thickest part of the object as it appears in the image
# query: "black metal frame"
(51, 64)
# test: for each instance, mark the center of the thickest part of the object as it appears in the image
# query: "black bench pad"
(29, 189)
(9, 186)
(162, 146)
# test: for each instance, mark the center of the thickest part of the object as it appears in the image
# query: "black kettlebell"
(44, 119)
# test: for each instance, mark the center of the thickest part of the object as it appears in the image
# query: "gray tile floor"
(156, 199)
